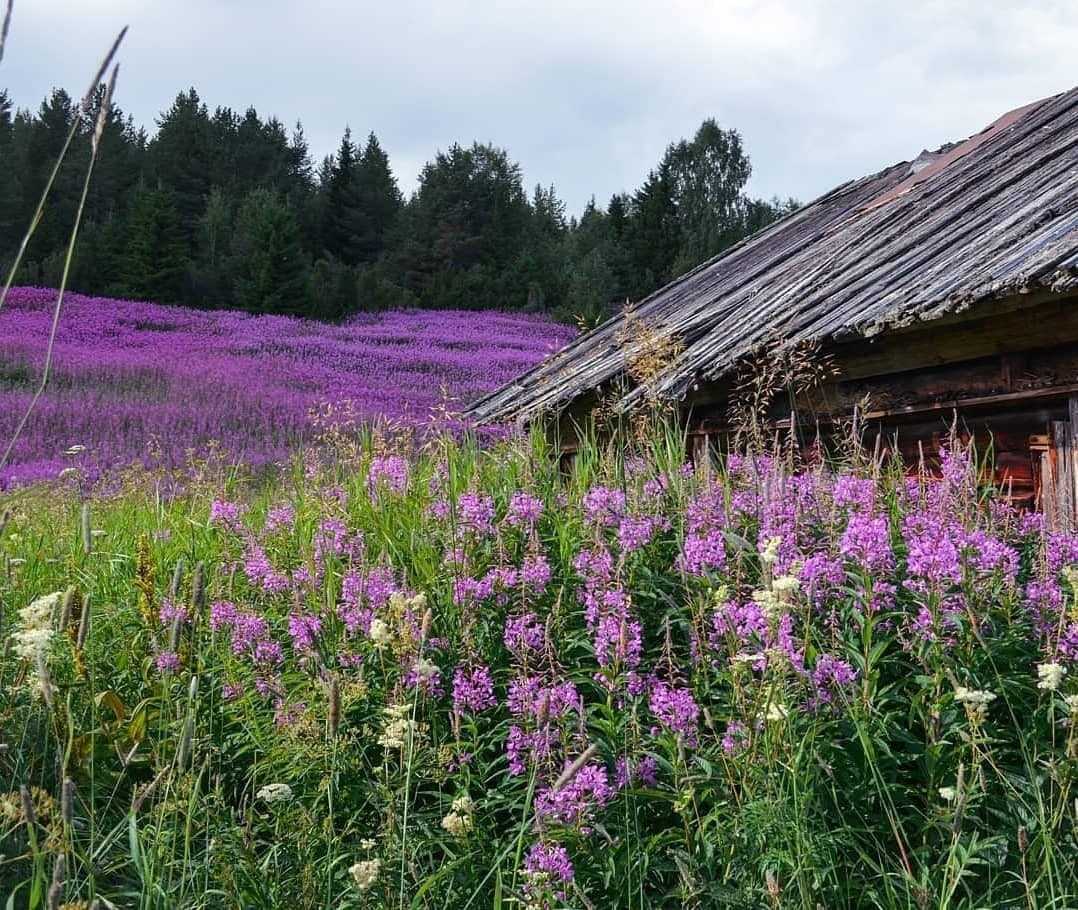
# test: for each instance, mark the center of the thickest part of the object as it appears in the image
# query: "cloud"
(585, 95)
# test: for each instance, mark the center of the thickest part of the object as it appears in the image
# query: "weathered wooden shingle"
(987, 218)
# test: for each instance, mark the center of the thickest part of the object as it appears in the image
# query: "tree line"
(223, 210)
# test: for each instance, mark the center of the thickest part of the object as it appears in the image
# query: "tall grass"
(84, 111)
(459, 677)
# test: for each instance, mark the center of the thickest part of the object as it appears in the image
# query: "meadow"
(164, 385)
(415, 671)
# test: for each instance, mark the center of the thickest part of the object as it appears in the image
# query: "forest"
(225, 210)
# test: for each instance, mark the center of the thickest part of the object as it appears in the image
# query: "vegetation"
(227, 211)
(459, 677)
(141, 382)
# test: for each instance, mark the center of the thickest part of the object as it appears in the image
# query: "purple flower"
(228, 515)
(831, 676)
(634, 531)
(549, 860)
(473, 690)
(604, 506)
(629, 772)
(167, 661)
(575, 802)
(524, 511)
(867, 543)
(475, 514)
(280, 518)
(171, 612)
(675, 709)
(736, 738)
(703, 553)
(387, 472)
(304, 629)
(524, 634)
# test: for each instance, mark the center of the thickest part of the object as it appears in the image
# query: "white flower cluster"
(975, 700)
(36, 632)
(365, 873)
(275, 793)
(380, 634)
(1050, 676)
(400, 730)
(770, 554)
(458, 821)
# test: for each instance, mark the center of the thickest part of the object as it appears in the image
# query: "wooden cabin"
(941, 292)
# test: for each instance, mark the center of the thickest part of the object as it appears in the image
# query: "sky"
(584, 95)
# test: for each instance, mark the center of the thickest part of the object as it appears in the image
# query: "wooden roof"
(984, 219)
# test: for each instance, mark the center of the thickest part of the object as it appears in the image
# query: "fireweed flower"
(524, 511)
(473, 690)
(629, 772)
(675, 709)
(577, 801)
(280, 518)
(1050, 676)
(387, 472)
(228, 515)
(604, 506)
(548, 864)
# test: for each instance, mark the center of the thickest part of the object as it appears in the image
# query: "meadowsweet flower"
(947, 793)
(776, 710)
(380, 634)
(1071, 702)
(275, 793)
(457, 824)
(35, 635)
(1050, 676)
(770, 553)
(365, 873)
(400, 731)
(976, 702)
(458, 821)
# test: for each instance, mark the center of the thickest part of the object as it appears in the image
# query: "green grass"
(756, 783)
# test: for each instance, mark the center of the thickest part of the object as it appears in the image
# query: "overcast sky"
(584, 95)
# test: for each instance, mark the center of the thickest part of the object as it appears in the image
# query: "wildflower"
(1072, 703)
(473, 690)
(770, 554)
(675, 709)
(400, 730)
(34, 638)
(785, 586)
(1050, 676)
(380, 634)
(976, 702)
(275, 793)
(947, 793)
(548, 863)
(365, 873)
(457, 824)
(458, 821)
(776, 710)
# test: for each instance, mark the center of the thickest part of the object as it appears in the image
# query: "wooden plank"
(1061, 475)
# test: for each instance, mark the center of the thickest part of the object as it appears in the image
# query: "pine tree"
(268, 265)
(155, 254)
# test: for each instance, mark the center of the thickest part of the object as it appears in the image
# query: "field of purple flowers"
(463, 678)
(140, 381)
